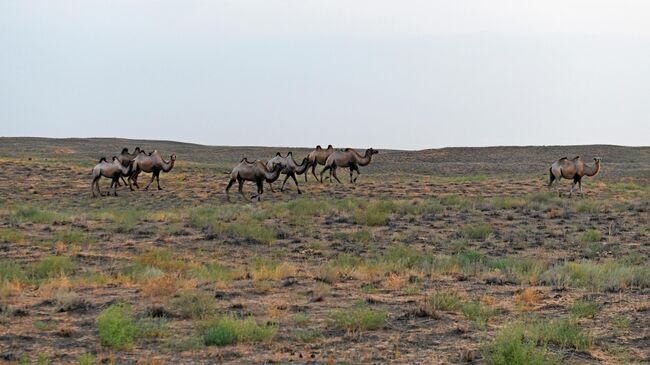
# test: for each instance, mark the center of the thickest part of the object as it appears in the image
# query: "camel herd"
(130, 165)
(259, 171)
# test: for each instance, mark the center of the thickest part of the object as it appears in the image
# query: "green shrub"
(72, 236)
(34, 215)
(477, 312)
(512, 346)
(590, 236)
(373, 214)
(11, 271)
(477, 232)
(444, 301)
(212, 271)
(250, 230)
(151, 327)
(11, 235)
(87, 359)
(607, 275)
(584, 309)
(51, 266)
(358, 318)
(116, 326)
(195, 304)
(589, 206)
(564, 333)
(507, 202)
(228, 330)
(307, 335)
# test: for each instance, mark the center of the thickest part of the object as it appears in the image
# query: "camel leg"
(116, 180)
(270, 187)
(230, 184)
(134, 178)
(284, 182)
(323, 171)
(293, 176)
(356, 168)
(313, 172)
(93, 184)
(260, 190)
(124, 181)
(580, 186)
(153, 176)
(333, 172)
(241, 188)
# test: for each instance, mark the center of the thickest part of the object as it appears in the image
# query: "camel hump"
(347, 149)
(329, 146)
(103, 159)
(278, 154)
(318, 147)
(564, 158)
(125, 150)
(575, 158)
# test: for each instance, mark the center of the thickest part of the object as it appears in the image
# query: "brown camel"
(318, 157)
(255, 171)
(112, 170)
(154, 163)
(125, 159)
(572, 169)
(348, 158)
(289, 167)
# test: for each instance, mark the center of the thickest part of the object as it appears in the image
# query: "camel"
(572, 169)
(125, 158)
(112, 170)
(289, 167)
(348, 158)
(255, 171)
(318, 157)
(154, 163)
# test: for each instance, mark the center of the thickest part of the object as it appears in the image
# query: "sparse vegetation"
(358, 318)
(226, 330)
(499, 269)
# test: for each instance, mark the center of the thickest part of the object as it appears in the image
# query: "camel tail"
(552, 177)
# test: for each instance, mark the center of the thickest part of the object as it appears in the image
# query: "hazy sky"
(399, 74)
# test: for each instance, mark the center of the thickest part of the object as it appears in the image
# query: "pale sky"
(364, 73)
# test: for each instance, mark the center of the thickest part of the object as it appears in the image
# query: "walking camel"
(574, 169)
(289, 167)
(318, 157)
(153, 163)
(125, 159)
(112, 170)
(348, 158)
(255, 171)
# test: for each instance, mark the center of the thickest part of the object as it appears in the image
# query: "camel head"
(172, 157)
(597, 160)
(371, 151)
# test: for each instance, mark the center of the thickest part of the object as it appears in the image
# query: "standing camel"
(348, 158)
(255, 171)
(572, 169)
(154, 163)
(125, 159)
(318, 157)
(112, 170)
(289, 167)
